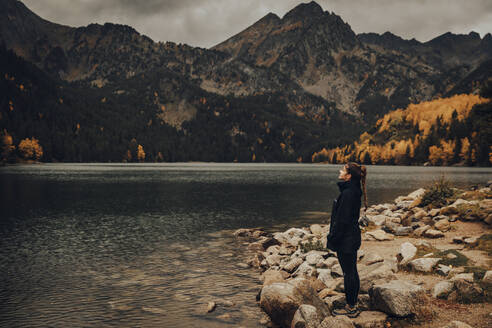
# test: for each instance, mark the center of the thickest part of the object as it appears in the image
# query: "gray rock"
(371, 258)
(403, 231)
(336, 301)
(271, 276)
(488, 219)
(470, 240)
(417, 193)
(405, 204)
(377, 219)
(317, 229)
(440, 217)
(262, 244)
(431, 233)
(293, 264)
(324, 275)
(407, 253)
(423, 243)
(378, 272)
(442, 225)
(460, 201)
(281, 300)
(420, 214)
(442, 289)
(451, 256)
(243, 232)
(487, 278)
(448, 210)
(424, 264)
(273, 259)
(211, 306)
(371, 319)
(314, 257)
(434, 212)
(305, 270)
(337, 322)
(420, 231)
(336, 270)
(274, 249)
(396, 298)
(380, 235)
(463, 276)
(392, 263)
(306, 316)
(443, 270)
(327, 263)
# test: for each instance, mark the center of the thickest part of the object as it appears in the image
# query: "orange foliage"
(140, 153)
(30, 149)
(425, 113)
(7, 145)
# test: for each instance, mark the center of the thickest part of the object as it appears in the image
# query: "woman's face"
(344, 175)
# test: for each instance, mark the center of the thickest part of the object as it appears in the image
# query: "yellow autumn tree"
(30, 149)
(6, 145)
(140, 153)
(442, 154)
(465, 149)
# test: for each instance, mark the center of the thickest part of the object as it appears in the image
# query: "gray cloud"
(205, 23)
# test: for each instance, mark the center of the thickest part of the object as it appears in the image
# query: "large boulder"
(417, 193)
(371, 319)
(424, 264)
(397, 298)
(337, 322)
(319, 230)
(442, 289)
(407, 253)
(378, 272)
(305, 270)
(281, 300)
(306, 316)
(271, 276)
(371, 258)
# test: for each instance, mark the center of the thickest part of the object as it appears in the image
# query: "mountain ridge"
(310, 60)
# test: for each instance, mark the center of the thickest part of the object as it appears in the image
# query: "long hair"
(358, 172)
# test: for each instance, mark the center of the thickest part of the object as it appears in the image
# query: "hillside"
(306, 73)
(446, 131)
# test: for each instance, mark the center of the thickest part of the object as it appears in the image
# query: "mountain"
(308, 66)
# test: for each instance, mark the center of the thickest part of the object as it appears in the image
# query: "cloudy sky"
(205, 23)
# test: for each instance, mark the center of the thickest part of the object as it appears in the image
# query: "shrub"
(438, 193)
(311, 245)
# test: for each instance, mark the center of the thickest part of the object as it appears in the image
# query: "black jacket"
(344, 233)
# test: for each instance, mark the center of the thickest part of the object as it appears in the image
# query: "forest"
(447, 131)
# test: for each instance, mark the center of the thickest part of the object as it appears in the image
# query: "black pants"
(351, 282)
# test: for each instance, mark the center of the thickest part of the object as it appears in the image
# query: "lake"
(148, 245)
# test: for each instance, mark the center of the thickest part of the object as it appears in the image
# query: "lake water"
(148, 245)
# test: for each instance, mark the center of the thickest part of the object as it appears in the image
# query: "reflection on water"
(149, 245)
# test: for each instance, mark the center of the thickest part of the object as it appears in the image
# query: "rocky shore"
(425, 261)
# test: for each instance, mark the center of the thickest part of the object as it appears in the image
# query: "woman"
(344, 237)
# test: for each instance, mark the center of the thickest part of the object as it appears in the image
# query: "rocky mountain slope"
(311, 59)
